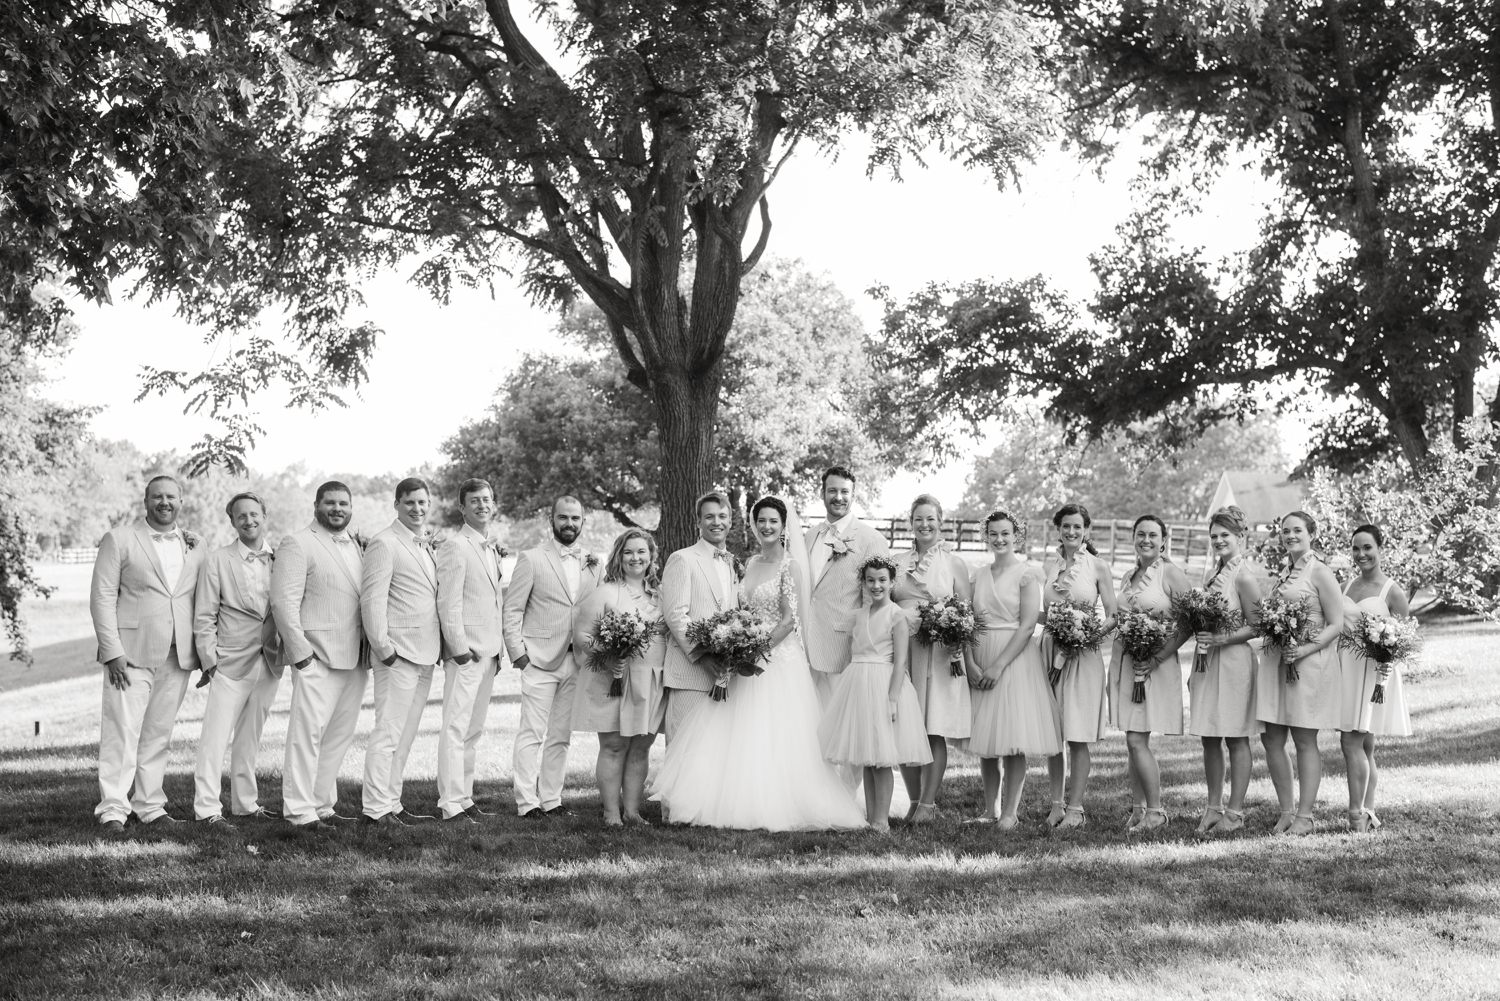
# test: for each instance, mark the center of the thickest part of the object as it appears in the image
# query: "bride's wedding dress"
(753, 761)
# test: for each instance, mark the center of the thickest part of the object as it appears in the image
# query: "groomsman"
(547, 584)
(470, 607)
(240, 651)
(398, 603)
(697, 582)
(315, 601)
(835, 550)
(141, 601)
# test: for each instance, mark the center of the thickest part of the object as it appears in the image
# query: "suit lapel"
(479, 551)
(229, 566)
(332, 549)
(829, 561)
(143, 536)
(557, 568)
(711, 572)
(417, 554)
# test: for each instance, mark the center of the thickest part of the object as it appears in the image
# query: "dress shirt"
(257, 573)
(169, 551)
(722, 567)
(349, 550)
(486, 551)
(818, 557)
(572, 564)
(400, 528)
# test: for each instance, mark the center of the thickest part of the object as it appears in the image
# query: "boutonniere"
(360, 539)
(738, 566)
(591, 561)
(494, 546)
(839, 546)
(191, 539)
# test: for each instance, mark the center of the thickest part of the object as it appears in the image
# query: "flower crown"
(877, 562)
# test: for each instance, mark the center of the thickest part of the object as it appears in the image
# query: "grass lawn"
(561, 908)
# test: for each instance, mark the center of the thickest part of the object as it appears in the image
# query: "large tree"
(1378, 123)
(633, 166)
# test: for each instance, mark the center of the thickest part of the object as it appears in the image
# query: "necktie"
(263, 555)
(570, 552)
(165, 536)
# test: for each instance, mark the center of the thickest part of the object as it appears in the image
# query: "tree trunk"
(686, 408)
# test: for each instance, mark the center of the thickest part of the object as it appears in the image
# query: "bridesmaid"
(1371, 591)
(626, 724)
(1311, 703)
(929, 571)
(1148, 587)
(1075, 571)
(1223, 693)
(1014, 711)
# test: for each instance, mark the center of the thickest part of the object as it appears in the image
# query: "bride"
(753, 761)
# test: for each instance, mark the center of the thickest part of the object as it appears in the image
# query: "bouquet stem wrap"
(1073, 627)
(618, 638)
(949, 622)
(1203, 610)
(738, 639)
(1287, 624)
(1384, 639)
(1141, 636)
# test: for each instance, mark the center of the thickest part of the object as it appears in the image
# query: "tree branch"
(760, 245)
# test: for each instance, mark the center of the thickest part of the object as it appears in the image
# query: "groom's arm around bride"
(697, 582)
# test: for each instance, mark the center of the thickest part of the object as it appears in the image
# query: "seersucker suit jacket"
(471, 602)
(690, 590)
(837, 595)
(136, 615)
(398, 598)
(233, 630)
(538, 613)
(315, 600)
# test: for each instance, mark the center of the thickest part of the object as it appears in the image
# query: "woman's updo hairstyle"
(1230, 517)
(924, 500)
(771, 502)
(1373, 531)
(1150, 517)
(1307, 519)
(1015, 523)
(1088, 523)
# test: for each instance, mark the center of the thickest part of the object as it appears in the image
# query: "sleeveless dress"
(1222, 695)
(1358, 679)
(1161, 712)
(944, 699)
(1020, 715)
(641, 709)
(1312, 701)
(753, 761)
(1080, 690)
(857, 727)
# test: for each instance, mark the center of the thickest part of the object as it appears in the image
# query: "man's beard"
(566, 534)
(322, 519)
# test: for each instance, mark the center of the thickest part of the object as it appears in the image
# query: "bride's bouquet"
(738, 639)
(1074, 627)
(1203, 610)
(1140, 635)
(619, 637)
(950, 622)
(1286, 624)
(1384, 639)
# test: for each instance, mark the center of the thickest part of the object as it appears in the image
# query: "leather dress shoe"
(389, 820)
(113, 827)
(556, 811)
(475, 811)
(535, 813)
(338, 818)
(415, 818)
(165, 818)
(314, 825)
(459, 818)
(262, 813)
(217, 820)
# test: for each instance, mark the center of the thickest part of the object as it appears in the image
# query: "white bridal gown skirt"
(753, 762)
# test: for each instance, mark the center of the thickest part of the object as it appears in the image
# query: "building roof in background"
(1263, 497)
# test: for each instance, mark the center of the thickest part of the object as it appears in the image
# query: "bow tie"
(165, 536)
(342, 539)
(722, 554)
(570, 552)
(262, 555)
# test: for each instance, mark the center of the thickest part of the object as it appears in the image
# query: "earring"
(783, 538)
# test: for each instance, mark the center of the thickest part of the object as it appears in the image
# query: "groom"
(835, 549)
(697, 582)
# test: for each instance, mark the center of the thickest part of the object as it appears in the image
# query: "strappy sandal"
(1312, 826)
(1136, 818)
(1233, 821)
(1205, 824)
(1059, 810)
(1072, 817)
(1375, 823)
(1146, 822)
(1007, 823)
(925, 813)
(1287, 816)
(1359, 821)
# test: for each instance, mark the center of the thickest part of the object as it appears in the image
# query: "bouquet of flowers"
(1074, 627)
(1141, 635)
(737, 638)
(1287, 624)
(1203, 610)
(1384, 639)
(618, 637)
(950, 622)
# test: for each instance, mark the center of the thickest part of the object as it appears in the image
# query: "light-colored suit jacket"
(398, 598)
(315, 600)
(233, 629)
(136, 615)
(470, 600)
(691, 590)
(538, 612)
(837, 594)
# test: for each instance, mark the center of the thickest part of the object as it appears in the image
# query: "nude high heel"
(1155, 817)
(1302, 826)
(1072, 817)
(1059, 809)
(1233, 821)
(1286, 821)
(1213, 816)
(1359, 821)
(1136, 818)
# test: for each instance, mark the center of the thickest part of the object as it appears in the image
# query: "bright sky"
(438, 367)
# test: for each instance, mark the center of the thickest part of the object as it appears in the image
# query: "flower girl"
(873, 719)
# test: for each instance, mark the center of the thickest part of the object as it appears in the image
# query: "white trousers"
(233, 719)
(540, 761)
(400, 697)
(324, 714)
(680, 704)
(466, 702)
(135, 739)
